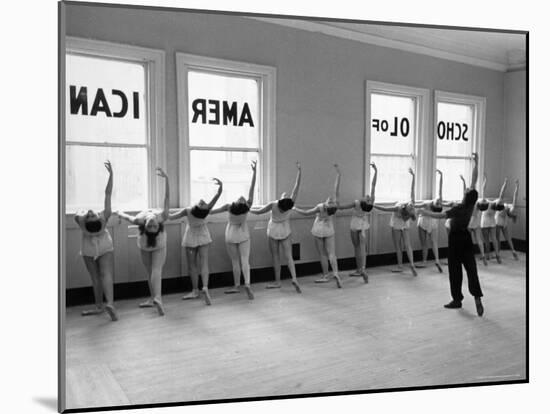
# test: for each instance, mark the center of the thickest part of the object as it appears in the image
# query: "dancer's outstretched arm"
(212, 202)
(220, 209)
(337, 183)
(127, 217)
(387, 209)
(108, 191)
(261, 210)
(463, 184)
(252, 184)
(429, 213)
(503, 189)
(411, 172)
(294, 193)
(475, 170)
(309, 212)
(166, 209)
(373, 182)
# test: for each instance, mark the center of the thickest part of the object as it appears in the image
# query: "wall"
(514, 148)
(320, 109)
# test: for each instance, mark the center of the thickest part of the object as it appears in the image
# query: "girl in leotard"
(323, 231)
(152, 244)
(488, 222)
(196, 241)
(97, 251)
(502, 215)
(359, 226)
(278, 231)
(237, 237)
(428, 228)
(402, 213)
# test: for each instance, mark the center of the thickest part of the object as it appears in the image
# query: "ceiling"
(497, 51)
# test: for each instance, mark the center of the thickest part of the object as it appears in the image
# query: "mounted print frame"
(290, 179)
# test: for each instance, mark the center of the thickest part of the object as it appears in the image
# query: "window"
(458, 132)
(113, 98)
(396, 119)
(227, 119)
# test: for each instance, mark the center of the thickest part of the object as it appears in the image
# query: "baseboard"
(132, 290)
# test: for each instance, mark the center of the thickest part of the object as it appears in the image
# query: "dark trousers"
(461, 252)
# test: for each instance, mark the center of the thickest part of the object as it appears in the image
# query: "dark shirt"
(461, 213)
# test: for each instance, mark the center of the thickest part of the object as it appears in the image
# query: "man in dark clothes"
(461, 248)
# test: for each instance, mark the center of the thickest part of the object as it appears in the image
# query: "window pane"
(454, 130)
(394, 180)
(233, 168)
(105, 100)
(452, 169)
(86, 177)
(224, 111)
(392, 124)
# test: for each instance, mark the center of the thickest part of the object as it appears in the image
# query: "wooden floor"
(392, 332)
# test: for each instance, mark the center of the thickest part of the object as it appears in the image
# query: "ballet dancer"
(323, 231)
(196, 241)
(428, 228)
(152, 244)
(237, 237)
(503, 211)
(488, 222)
(97, 251)
(278, 232)
(402, 213)
(359, 226)
(461, 248)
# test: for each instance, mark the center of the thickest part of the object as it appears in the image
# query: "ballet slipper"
(191, 295)
(498, 259)
(413, 270)
(207, 299)
(438, 267)
(147, 304)
(158, 305)
(322, 279)
(484, 260)
(249, 292)
(273, 286)
(90, 312)
(234, 289)
(338, 281)
(355, 273)
(296, 286)
(515, 256)
(112, 313)
(365, 276)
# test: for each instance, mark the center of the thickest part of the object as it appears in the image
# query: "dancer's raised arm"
(127, 217)
(294, 193)
(337, 183)
(108, 191)
(475, 170)
(440, 188)
(166, 208)
(483, 186)
(252, 184)
(373, 182)
(503, 189)
(463, 184)
(212, 202)
(411, 172)
(515, 196)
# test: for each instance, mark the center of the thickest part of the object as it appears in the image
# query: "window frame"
(267, 76)
(479, 103)
(154, 61)
(422, 113)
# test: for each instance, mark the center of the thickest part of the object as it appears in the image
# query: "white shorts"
(502, 218)
(196, 236)
(278, 230)
(397, 223)
(428, 223)
(96, 246)
(475, 222)
(322, 228)
(359, 223)
(236, 233)
(487, 221)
